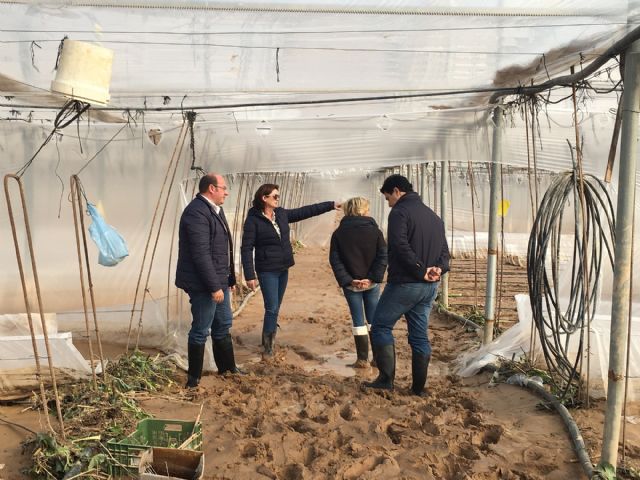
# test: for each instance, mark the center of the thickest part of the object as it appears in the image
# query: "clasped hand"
(363, 284)
(433, 274)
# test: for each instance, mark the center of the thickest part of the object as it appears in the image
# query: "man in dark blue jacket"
(205, 271)
(418, 256)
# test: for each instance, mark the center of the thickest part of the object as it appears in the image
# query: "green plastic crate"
(153, 432)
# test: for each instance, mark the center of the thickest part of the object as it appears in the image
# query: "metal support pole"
(444, 205)
(623, 253)
(492, 247)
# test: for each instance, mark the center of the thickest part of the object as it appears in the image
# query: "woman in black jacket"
(358, 257)
(266, 230)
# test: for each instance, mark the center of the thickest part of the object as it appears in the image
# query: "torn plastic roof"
(199, 53)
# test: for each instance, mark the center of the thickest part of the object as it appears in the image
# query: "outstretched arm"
(308, 211)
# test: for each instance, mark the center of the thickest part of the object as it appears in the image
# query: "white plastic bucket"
(84, 72)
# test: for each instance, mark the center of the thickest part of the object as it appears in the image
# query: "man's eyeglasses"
(224, 187)
(275, 197)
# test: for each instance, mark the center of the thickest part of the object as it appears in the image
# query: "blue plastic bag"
(112, 247)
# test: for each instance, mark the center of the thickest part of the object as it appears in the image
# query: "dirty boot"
(419, 368)
(195, 355)
(223, 355)
(268, 342)
(385, 356)
(362, 351)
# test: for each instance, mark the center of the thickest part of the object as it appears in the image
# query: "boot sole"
(377, 387)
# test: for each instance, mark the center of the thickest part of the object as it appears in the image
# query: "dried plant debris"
(92, 417)
(140, 372)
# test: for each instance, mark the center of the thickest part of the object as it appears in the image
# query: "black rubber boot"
(268, 342)
(362, 351)
(419, 368)
(224, 357)
(195, 354)
(385, 356)
(373, 357)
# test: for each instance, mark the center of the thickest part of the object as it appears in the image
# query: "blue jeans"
(356, 301)
(414, 301)
(209, 317)
(273, 286)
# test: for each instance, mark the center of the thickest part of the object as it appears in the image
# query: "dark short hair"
(396, 181)
(263, 191)
(209, 179)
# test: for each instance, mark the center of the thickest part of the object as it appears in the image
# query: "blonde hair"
(357, 206)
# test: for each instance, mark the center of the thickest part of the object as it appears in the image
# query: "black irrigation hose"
(569, 422)
(556, 327)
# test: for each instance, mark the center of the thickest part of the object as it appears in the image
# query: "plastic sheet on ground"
(515, 343)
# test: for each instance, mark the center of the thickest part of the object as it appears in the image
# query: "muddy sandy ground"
(304, 415)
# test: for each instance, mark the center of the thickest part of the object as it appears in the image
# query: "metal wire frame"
(39, 298)
(164, 193)
(77, 196)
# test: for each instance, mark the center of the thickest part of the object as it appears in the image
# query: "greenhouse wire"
(181, 137)
(627, 367)
(69, 113)
(501, 253)
(170, 185)
(39, 299)
(473, 224)
(78, 209)
(236, 221)
(583, 251)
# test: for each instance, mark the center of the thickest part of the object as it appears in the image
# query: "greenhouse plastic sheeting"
(201, 48)
(17, 363)
(340, 92)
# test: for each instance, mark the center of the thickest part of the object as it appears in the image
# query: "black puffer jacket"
(358, 251)
(273, 253)
(416, 240)
(204, 264)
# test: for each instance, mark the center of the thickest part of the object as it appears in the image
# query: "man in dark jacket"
(418, 256)
(205, 271)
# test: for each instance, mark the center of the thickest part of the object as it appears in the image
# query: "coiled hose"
(595, 229)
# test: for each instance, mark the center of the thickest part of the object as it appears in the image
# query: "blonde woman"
(358, 257)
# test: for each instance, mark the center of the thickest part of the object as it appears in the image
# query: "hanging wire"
(472, 187)
(164, 193)
(79, 210)
(500, 286)
(190, 117)
(584, 250)
(101, 149)
(70, 112)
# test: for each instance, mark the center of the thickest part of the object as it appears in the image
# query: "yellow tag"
(503, 208)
